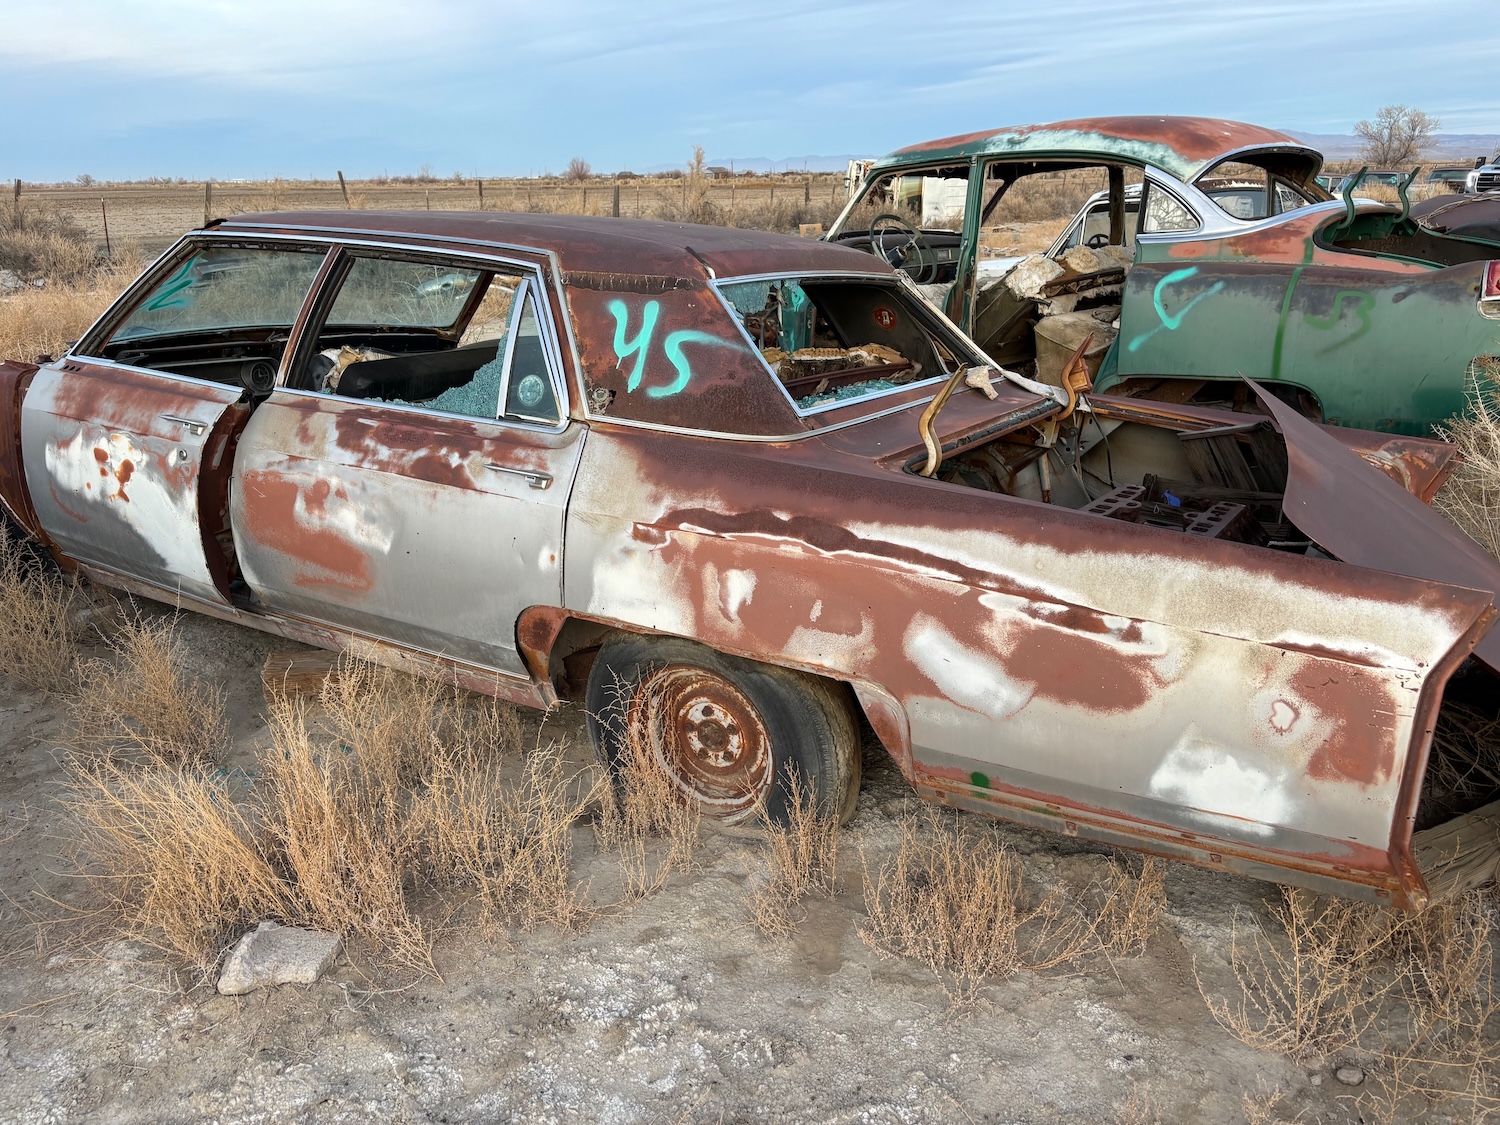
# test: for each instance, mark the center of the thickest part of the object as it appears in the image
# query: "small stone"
(270, 955)
(1349, 1075)
(1316, 1080)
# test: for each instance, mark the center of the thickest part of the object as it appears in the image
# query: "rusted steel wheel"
(730, 733)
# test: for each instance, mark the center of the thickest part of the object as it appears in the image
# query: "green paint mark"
(672, 348)
(1286, 304)
(639, 344)
(979, 780)
(1362, 303)
(1173, 321)
(171, 295)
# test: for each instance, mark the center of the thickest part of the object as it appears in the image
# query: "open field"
(157, 801)
(669, 1007)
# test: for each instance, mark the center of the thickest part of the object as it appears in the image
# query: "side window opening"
(436, 336)
(221, 312)
(1164, 212)
(836, 341)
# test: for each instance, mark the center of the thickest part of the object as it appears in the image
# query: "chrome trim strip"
(427, 412)
(193, 380)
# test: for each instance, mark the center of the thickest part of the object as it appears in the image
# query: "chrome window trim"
(1173, 187)
(422, 411)
(894, 281)
(192, 380)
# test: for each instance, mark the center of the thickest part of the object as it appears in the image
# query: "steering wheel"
(911, 248)
(1097, 240)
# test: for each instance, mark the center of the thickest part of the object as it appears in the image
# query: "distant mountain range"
(1454, 148)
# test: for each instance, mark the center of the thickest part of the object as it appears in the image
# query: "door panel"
(429, 530)
(114, 456)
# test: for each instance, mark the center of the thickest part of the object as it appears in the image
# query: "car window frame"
(901, 282)
(343, 251)
(90, 342)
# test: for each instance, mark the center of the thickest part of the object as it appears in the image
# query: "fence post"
(108, 250)
(208, 202)
(344, 188)
(17, 199)
(616, 210)
(807, 190)
(481, 195)
(427, 194)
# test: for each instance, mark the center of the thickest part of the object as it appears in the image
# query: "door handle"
(197, 429)
(531, 476)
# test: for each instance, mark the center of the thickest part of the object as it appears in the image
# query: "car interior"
(831, 341)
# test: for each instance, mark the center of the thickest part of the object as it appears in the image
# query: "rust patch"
(326, 558)
(1360, 748)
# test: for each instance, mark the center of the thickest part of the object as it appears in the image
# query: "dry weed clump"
(382, 813)
(802, 861)
(1129, 906)
(142, 702)
(642, 818)
(1471, 496)
(956, 900)
(1415, 990)
(179, 863)
(38, 243)
(36, 618)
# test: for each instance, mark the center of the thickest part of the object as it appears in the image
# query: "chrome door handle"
(197, 429)
(531, 476)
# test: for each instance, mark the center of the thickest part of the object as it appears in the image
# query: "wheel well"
(568, 656)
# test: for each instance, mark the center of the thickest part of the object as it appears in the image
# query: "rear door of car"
(367, 501)
(120, 439)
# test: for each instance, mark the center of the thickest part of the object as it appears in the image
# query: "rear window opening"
(836, 341)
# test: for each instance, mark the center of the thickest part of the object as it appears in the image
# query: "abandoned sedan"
(1346, 309)
(747, 496)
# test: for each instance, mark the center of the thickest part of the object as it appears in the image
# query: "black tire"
(734, 732)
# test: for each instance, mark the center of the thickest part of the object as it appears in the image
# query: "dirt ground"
(674, 1009)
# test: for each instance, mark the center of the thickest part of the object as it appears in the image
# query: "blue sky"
(254, 88)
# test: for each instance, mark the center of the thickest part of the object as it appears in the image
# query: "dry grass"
(1128, 906)
(955, 899)
(383, 813)
(1414, 990)
(176, 860)
(801, 861)
(38, 243)
(142, 702)
(643, 819)
(37, 634)
(44, 321)
(1471, 496)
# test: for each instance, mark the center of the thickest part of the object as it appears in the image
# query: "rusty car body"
(545, 456)
(1343, 307)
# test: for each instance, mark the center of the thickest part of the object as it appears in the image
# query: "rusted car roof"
(641, 248)
(1183, 146)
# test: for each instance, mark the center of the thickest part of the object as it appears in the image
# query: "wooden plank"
(1461, 854)
(303, 672)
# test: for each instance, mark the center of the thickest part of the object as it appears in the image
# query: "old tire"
(734, 733)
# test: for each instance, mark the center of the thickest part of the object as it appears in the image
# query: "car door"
(410, 482)
(1191, 307)
(122, 438)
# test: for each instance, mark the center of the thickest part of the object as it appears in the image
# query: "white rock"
(1349, 1075)
(271, 954)
(1027, 279)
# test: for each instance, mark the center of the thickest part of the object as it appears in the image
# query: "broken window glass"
(1164, 212)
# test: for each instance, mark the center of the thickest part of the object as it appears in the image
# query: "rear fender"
(15, 497)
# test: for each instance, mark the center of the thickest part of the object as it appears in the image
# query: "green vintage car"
(1215, 255)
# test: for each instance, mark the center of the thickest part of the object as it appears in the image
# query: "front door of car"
(412, 481)
(125, 441)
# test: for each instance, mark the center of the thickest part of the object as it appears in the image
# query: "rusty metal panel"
(428, 530)
(1182, 146)
(15, 498)
(674, 358)
(1227, 699)
(114, 459)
